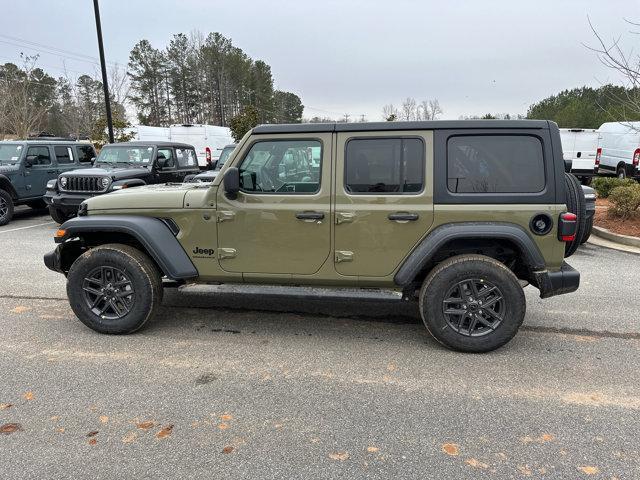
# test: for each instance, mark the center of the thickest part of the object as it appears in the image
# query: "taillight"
(636, 157)
(207, 154)
(567, 227)
(598, 155)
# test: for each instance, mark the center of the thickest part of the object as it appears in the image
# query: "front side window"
(125, 155)
(495, 164)
(39, 156)
(384, 165)
(281, 166)
(166, 156)
(63, 154)
(186, 157)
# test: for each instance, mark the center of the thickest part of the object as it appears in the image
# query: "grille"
(84, 184)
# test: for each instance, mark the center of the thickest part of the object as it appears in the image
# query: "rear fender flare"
(443, 234)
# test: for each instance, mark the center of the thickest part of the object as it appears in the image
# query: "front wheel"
(472, 303)
(6, 207)
(59, 216)
(114, 288)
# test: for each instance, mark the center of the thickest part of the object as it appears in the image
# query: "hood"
(119, 173)
(146, 197)
(8, 169)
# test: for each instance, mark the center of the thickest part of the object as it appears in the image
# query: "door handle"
(309, 215)
(403, 217)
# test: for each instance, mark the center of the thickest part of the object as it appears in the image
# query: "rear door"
(383, 199)
(187, 162)
(65, 158)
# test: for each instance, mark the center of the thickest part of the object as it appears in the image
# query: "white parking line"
(23, 228)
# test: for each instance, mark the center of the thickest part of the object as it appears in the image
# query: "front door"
(169, 170)
(38, 171)
(383, 199)
(280, 223)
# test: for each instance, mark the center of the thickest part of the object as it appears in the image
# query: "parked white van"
(143, 133)
(619, 149)
(579, 145)
(208, 140)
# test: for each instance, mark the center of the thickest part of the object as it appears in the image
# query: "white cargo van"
(208, 140)
(143, 133)
(579, 145)
(619, 149)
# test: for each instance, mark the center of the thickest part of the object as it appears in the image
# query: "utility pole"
(346, 118)
(103, 66)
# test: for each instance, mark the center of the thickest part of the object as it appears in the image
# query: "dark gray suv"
(27, 165)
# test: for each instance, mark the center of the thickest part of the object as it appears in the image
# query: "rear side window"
(63, 154)
(384, 165)
(495, 164)
(186, 157)
(85, 153)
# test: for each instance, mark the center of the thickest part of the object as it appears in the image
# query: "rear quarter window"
(495, 164)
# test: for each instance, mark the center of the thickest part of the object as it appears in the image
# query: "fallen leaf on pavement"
(372, 449)
(165, 432)
(4, 406)
(8, 428)
(451, 449)
(28, 396)
(587, 470)
(227, 449)
(93, 441)
(104, 419)
(226, 417)
(92, 433)
(476, 463)
(145, 425)
(129, 437)
(223, 426)
(341, 456)
(20, 309)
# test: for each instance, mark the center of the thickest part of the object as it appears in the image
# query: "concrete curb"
(614, 237)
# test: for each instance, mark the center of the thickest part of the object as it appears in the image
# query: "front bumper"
(565, 280)
(67, 202)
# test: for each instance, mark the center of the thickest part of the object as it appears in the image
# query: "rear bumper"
(565, 280)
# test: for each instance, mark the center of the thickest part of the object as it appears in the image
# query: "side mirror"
(231, 182)
(93, 160)
(30, 161)
(161, 163)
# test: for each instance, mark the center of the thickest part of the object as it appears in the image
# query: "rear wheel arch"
(507, 243)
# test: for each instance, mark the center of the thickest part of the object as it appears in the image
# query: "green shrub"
(624, 200)
(604, 185)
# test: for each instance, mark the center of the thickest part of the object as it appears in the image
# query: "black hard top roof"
(389, 126)
(46, 140)
(149, 144)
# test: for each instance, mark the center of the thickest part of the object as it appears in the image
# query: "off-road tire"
(575, 204)
(58, 215)
(587, 230)
(457, 269)
(145, 280)
(6, 207)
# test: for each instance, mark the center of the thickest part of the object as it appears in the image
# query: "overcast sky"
(354, 56)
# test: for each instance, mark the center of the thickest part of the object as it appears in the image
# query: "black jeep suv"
(120, 165)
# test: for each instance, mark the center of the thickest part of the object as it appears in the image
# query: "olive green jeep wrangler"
(457, 215)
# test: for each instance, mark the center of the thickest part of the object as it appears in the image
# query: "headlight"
(63, 182)
(51, 184)
(105, 182)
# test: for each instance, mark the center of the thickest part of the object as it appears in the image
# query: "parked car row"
(612, 149)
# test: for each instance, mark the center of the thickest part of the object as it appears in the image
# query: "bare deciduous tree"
(389, 112)
(408, 110)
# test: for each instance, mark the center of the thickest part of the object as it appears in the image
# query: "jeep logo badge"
(204, 251)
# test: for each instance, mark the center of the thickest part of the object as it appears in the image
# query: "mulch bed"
(629, 226)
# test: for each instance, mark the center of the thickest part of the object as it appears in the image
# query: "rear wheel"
(575, 204)
(6, 207)
(59, 216)
(621, 172)
(114, 288)
(472, 303)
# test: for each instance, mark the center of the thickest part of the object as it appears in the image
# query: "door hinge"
(226, 253)
(343, 256)
(222, 215)
(344, 217)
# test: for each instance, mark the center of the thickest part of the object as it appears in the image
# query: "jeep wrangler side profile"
(457, 215)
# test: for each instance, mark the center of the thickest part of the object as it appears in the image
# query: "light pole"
(105, 86)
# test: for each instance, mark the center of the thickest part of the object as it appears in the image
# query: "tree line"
(195, 79)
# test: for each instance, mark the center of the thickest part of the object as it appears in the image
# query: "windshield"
(125, 154)
(10, 153)
(226, 151)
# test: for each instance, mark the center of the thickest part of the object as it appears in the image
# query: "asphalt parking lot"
(233, 382)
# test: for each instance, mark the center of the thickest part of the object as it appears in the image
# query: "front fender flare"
(154, 235)
(5, 184)
(428, 247)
